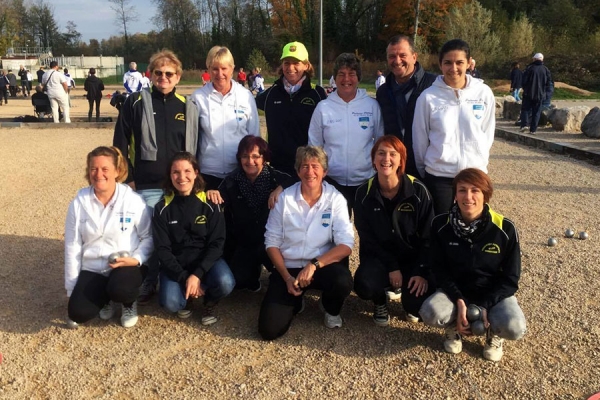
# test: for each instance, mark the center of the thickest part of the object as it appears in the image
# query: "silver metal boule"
(112, 258)
(552, 242)
(569, 233)
(124, 253)
(583, 235)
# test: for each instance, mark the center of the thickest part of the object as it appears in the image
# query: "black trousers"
(279, 307)
(349, 193)
(91, 104)
(372, 278)
(246, 264)
(4, 94)
(93, 291)
(212, 182)
(441, 192)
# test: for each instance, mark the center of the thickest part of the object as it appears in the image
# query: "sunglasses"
(159, 74)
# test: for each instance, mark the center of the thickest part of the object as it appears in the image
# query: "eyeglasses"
(168, 74)
(254, 157)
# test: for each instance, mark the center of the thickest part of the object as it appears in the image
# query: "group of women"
(295, 218)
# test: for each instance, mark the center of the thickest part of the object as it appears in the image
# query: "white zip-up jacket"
(453, 129)
(300, 238)
(347, 132)
(93, 232)
(224, 121)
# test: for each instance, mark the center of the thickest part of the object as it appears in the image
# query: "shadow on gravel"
(32, 292)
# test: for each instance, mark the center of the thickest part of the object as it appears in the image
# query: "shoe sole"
(184, 314)
(381, 322)
(209, 321)
(130, 323)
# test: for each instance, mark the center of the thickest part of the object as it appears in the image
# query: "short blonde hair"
(304, 153)
(165, 57)
(221, 55)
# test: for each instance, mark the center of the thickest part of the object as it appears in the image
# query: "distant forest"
(499, 31)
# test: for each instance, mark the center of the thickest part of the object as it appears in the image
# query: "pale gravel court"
(164, 357)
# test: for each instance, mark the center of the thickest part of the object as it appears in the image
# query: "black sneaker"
(147, 290)
(381, 316)
(208, 314)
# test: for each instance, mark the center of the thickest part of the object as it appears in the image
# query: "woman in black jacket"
(392, 214)
(94, 87)
(189, 234)
(247, 194)
(476, 261)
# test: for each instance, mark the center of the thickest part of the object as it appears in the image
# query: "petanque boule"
(552, 242)
(112, 258)
(569, 233)
(124, 253)
(583, 235)
(478, 328)
(473, 313)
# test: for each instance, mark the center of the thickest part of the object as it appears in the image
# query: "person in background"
(241, 77)
(454, 124)
(24, 85)
(29, 81)
(12, 85)
(259, 81)
(56, 88)
(289, 105)
(537, 83)
(205, 77)
(516, 80)
(227, 114)
(473, 71)
(189, 235)
(40, 74)
(346, 125)
(132, 79)
(70, 84)
(332, 85)
(308, 238)
(43, 106)
(476, 260)
(380, 79)
(94, 87)
(106, 217)
(4, 83)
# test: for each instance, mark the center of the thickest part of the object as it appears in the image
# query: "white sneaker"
(129, 316)
(493, 347)
(107, 311)
(453, 341)
(524, 129)
(333, 321)
(72, 324)
(413, 319)
(393, 294)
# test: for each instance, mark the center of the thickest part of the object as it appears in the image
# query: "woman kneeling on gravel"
(189, 236)
(476, 262)
(108, 235)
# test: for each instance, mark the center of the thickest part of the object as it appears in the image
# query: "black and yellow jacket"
(483, 272)
(189, 235)
(149, 144)
(402, 241)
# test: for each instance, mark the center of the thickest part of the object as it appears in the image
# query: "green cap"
(295, 50)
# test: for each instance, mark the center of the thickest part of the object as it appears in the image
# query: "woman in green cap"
(289, 105)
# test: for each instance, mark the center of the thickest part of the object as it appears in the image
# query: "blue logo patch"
(326, 219)
(363, 122)
(478, 111)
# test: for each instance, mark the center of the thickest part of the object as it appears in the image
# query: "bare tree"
(125, 14)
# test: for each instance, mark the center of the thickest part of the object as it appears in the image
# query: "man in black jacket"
(398, 95)
(536, 82)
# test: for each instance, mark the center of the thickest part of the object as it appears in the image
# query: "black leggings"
(441, 192)
(91, 103)
(93, 291)
(246, 264)
(279, 307)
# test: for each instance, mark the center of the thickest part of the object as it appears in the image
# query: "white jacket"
(224, 121)
(347, 132)
(93, 232)
(452, 133)
(301, 239)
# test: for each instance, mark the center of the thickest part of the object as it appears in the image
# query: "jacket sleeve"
(163, 246)
(420, 132)
(86, 85)
(123, 133)
(369, 246)
(73, 248)
(489, 120)
(261, 99)
(507, 282)
(315, 129)
(144, 230)
(425, 216)
(253, 121)
(439, 263)
(274, 227)
(215, 242)
(379, 127)
(343, 231)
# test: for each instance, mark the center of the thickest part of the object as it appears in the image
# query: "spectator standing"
(56, 88)
(259, 81)
(12, 85)
(40, 74)
(4, 83)
(380, 79)
(397, 97)
(24, 85)
(132, 79)
(205, 77)
(70, 84)
(29, 80)
(516, 80)
(473, 71)
(241, 77)
(94, 87)
(536, 80)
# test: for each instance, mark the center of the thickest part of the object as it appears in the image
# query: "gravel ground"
(164, 357)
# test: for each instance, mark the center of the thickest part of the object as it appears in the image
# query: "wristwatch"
(315, 262)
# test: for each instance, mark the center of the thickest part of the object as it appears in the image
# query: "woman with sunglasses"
(152, 142)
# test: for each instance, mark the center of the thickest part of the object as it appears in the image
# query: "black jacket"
(288, 118)
(23, 75)
(189, 235)
(516, 79)
(169, 119)
(94, 87)
(399, 122)
(536, 80)
(402, 241)
(483, 272)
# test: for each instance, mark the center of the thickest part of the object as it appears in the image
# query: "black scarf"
(468, 231)
(256, 193)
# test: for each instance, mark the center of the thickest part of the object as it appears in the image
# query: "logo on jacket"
(200, 220)
(123, 221)
(406, 207)
(307, 101)
(237, 114)
(478, 111)
(363, 122)
(326, 219)
(180, 117)
(491, 248)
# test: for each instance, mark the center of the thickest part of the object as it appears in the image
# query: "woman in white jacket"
(227, 114)
(346, 125)
(454, 124)
(105, 218)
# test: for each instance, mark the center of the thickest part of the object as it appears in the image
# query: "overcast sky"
(95, 19)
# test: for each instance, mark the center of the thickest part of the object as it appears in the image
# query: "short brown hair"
(397, 145)
(165, 57)
(477, 178)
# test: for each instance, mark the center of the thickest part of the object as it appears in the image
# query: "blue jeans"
(506, 318)
(151, 197)
(217, 283)
(516, 94)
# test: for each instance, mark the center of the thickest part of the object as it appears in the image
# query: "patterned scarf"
(256, 193)
(291, 89)
(468, 231)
